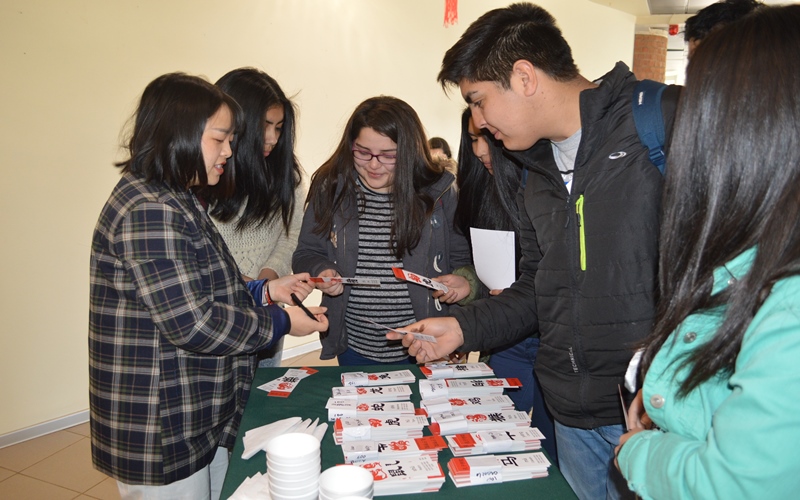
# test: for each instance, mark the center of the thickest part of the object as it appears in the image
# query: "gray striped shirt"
(388, 305)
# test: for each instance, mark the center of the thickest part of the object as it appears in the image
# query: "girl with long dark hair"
(380, 201)
(260, 220)
(721, 370)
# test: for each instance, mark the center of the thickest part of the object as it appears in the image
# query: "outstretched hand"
(331, 288)
(458, 288)
(281, 289)
(302, 325)
(447, 331)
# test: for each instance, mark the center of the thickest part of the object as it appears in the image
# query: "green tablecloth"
(308, 401)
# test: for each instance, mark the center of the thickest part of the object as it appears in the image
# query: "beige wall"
(71, 73)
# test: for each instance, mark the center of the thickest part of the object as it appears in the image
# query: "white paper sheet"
(494, 257)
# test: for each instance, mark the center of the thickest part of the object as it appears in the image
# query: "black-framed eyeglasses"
(383, 158)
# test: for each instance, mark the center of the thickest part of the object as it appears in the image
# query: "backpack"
(650, 120)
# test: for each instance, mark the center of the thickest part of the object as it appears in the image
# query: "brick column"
(650, 56)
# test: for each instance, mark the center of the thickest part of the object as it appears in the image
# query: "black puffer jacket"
(589, 259)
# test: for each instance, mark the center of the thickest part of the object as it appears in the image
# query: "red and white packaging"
(449, 423)
(378, 429)
(491, 402)
(495, 441)
(438, 371)
(429, 389)
(381, 393)
(370, 451)
(352, 408)
(489, 469)
(283, 386)
(363, 379)
(419, 279)
(398, 476)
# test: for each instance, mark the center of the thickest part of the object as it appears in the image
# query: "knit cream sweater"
(268, 245)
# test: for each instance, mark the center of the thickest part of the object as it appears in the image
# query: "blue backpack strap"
(649, 119)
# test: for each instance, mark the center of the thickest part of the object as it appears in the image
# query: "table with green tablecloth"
(308, 401)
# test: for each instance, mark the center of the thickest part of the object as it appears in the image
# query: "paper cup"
(292, 473)
(302, 489)
(292, 482)
(365, 496)
(345, 480)
(293, 449)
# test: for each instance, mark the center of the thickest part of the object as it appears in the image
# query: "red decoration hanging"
(450, 12)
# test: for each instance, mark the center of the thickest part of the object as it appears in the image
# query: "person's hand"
(637, 421)
(458, 288)
(281, 289)
(496, 291)
(447, 331)
(331, 288)
(302, 325)
(637, 416)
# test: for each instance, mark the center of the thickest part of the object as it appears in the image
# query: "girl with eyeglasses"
(261, 219)
(380, 201)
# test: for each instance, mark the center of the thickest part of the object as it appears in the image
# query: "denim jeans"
(517, 361)
(271, 357)
(352, 358)
(586, 458)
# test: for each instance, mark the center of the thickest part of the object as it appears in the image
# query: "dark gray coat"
(440, 250)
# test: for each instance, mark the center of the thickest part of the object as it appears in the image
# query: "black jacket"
(589, 281)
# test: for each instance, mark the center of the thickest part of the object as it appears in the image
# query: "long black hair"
(732, 184)
(264, 186)
(485, 201)
(165, 144)
(414, 171)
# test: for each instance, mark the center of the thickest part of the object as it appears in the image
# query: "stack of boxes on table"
(379, 429)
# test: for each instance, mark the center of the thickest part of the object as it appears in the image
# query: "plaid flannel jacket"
(172, 329)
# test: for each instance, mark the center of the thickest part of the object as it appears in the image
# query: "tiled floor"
(59, 465)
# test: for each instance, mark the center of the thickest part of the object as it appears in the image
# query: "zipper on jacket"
(581, 235)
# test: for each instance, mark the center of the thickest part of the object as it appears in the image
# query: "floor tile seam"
(78, 493)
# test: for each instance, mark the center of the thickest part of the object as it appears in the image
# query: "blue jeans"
(272, 356)
(517, 361)
(586, 458)
(352, 358)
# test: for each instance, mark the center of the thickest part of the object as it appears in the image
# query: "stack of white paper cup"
(293, 466)
(345, 481)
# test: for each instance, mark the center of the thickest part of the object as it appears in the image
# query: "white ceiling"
(658, 7)
(667, 7)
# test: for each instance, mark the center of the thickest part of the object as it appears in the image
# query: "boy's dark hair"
(165, 145)
(492, 44)
(717, 15)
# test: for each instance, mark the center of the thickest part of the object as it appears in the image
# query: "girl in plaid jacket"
(173, 328)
